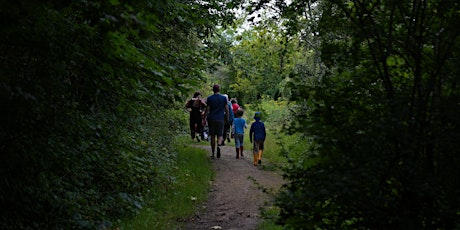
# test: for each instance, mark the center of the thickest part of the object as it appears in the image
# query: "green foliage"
(382, 151)
(87, 88)
(255, 63)
(189, 183)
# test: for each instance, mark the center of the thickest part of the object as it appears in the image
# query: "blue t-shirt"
(238, 125)
(216, 104)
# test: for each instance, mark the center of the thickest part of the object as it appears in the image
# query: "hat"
(258, 115)
(216, 88)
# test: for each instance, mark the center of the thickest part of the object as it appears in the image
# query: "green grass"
(269, 215)
(189, 187)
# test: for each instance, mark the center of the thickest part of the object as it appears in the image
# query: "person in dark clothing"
(257, 134)
(228, 123)
(216, 113)
(196, 106)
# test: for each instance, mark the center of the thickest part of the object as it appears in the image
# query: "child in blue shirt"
(258, 134)
(239, 124)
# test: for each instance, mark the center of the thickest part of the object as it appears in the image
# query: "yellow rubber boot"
(259, 156)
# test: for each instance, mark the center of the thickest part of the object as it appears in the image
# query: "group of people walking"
(223, 119)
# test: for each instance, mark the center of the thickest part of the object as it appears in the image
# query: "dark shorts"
(258, 145)
(216, 128)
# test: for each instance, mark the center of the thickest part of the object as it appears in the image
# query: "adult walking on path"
(195, 107)
(236, 195)
(216, 112)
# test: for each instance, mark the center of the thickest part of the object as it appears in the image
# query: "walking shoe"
(212, 156)
(259, 162)
(218, 152)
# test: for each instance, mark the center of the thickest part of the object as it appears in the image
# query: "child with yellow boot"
(257, 134)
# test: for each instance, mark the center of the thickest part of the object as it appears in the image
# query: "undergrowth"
(176, 201)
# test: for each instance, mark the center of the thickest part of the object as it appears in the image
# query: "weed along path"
(237, 194)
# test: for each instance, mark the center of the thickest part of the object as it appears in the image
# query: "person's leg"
(198, 128)
(255, 152)
(225, 132)
(213, 144)
(237, 146)
(261, 151)
(192, 128)
(241, 145)
(228, 132)
(219, 132)
(212, 134)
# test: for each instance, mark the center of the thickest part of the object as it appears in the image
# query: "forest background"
(92, 95)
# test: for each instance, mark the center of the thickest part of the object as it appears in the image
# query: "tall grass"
(189, 185)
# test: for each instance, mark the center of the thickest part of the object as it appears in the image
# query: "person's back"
(216, 113)
(235, 105)
(257, 135)
(195, 106)
(239, 124)
(257, 131)
(216, 104)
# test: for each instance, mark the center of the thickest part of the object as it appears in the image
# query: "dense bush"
(383, 120)
(87, 90)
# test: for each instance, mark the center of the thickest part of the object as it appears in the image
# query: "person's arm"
(187, 106)
(251, 132)
(203, 103)
(265, 132)
(206, 111)
(232, 115)
(226, 112)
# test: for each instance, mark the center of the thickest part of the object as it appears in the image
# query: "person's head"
(239, 113)
(226, 96)
(216, 88)
(257, 116)
(233, 101)
(196, 94)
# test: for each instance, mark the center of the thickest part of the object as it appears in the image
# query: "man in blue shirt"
(216, 112)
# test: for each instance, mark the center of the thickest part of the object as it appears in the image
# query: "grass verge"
(189, 186)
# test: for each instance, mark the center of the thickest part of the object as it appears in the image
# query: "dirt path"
(236, 194)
